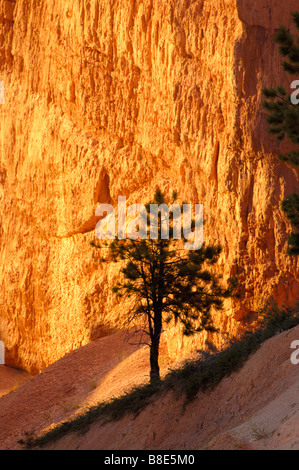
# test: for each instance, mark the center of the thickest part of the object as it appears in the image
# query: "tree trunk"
(154, 360)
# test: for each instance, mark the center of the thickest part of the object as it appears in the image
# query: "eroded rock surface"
(106, 98)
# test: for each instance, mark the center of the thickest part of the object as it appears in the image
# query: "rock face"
(109, 98)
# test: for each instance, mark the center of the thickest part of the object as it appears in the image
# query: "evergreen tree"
(165, 282)
(283, 120)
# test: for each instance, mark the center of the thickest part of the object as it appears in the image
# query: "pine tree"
(283, 120)
(165, 282)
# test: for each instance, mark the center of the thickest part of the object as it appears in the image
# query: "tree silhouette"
(283, 120)
(166, 282)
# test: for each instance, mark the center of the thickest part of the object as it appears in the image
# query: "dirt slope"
(93, 373)
(256, 408)
(11, 379)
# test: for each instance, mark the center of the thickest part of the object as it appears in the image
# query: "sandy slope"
(93, 373)
(11, 379)
(255, 408)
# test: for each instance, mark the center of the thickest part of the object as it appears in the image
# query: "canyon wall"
(116, 97)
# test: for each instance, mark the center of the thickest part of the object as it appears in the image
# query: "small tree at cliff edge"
(164, 282)
(283, 120)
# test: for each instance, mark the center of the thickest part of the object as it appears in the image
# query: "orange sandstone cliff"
(106, 98)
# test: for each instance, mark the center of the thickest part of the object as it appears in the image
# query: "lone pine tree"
(165, 282)
(283, 120)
